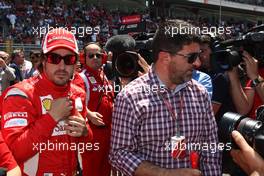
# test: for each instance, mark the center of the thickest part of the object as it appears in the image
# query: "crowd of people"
(251, 2)
(17, 22)
(71, 111)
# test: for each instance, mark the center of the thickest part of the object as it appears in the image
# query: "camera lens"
(248, 128)
(225, 59)
(126, 64)
(227, 124)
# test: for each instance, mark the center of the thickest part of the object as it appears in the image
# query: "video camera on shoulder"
(252, 130)
(228, 54)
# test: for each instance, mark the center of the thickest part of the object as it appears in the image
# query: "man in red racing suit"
(100, 98)
(42, 117)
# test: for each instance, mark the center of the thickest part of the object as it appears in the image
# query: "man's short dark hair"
(165, 40)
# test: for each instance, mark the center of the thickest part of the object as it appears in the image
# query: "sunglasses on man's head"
(53, 58)
(91, 56)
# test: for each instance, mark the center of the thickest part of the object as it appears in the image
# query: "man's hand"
(2, 63)
(60, 108)
(4, 57)
(184, 172)
(246, 157)
(251, 65)
(149, 169)
(96, 118)
(76, 126)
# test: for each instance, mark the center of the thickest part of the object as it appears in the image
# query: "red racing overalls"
(39, 144)
(100, 99)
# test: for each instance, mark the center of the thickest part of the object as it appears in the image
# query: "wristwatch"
(257, 81)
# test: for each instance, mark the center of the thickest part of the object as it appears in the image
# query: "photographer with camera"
(249, 160)
(127, 64)
(221, 98)
(248, 99)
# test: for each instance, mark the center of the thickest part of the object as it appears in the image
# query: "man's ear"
(110, 56)
(164, 57)
(104, 58)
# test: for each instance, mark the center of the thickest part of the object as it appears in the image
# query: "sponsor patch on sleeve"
(10, 115)
(16, 122)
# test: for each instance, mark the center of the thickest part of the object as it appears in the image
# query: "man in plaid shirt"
(163, 105)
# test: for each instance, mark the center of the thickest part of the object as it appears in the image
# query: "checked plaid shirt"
(142, 126)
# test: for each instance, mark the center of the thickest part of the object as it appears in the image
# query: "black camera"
(228, 54)
(126, 64)
(226, 59)
(252, 130)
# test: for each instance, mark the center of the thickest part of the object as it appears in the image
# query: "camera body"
(252, 130)
(228, 54)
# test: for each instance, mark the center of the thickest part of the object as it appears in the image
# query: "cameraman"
(221, 98)
(118, 45)
(247, 100)
(249, 160)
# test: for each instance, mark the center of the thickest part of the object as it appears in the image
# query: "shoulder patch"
(14, 92)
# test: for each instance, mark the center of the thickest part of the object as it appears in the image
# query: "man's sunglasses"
(191, 58)
(91, 56)
(53, 58)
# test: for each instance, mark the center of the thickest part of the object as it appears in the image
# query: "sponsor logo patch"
(16, 122)
(92, 79)
(46, 103)
(59, 129)
(10, 115)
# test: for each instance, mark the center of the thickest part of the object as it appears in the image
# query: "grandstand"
(18, 21)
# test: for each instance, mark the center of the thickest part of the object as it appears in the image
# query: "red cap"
(59, 38)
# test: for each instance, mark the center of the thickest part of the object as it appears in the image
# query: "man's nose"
(61, 65)
(197, 63)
